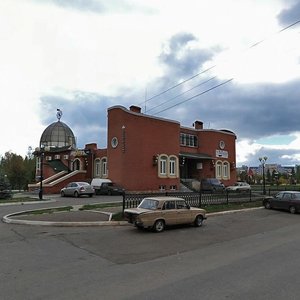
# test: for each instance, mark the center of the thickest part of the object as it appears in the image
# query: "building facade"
(144, 153)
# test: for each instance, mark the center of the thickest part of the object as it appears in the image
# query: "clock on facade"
(114, 142)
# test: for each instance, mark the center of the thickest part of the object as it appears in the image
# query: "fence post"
(124, 196)
(200, 199)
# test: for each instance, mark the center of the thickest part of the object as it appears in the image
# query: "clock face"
(222, 145)
(114, 142)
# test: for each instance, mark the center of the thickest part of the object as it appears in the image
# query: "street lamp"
(42, 153)
(263, 162)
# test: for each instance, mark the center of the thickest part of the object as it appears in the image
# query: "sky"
(231, 64)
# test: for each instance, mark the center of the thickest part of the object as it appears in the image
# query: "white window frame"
(173, 171)
(219, 169)
(104, 167)
(222, 170)
(163, 165)
(226, 170)
(97, 169)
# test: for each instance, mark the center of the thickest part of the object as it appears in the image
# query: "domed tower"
(58, 135)
(54, 152)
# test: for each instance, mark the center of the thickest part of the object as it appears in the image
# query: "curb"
(7, 219)
(26, 202)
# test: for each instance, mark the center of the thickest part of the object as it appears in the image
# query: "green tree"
(19, 171)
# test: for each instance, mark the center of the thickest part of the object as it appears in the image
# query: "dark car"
(77, 189)
(110, 188)
(286, 200)
(212, 185)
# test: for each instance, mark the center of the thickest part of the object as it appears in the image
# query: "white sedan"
(239, 187)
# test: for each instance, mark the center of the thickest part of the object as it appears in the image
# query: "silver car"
(77, 189)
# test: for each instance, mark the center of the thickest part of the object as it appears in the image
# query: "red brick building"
(144, 153)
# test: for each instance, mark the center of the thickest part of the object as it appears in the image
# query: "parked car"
(77, 189)
(158, 212)
(286, 200)
(239, 186)
(212, 185)
(106, 187)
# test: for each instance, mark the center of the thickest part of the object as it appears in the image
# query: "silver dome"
(58, 135)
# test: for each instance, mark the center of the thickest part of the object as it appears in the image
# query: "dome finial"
(58, 114)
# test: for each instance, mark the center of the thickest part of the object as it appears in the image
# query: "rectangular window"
(188, 140)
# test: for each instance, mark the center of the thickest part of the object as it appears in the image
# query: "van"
(212, 185)
(106, 187)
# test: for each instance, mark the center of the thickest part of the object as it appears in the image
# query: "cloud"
(99, 6)
(251, 111)
(290, 15)
(181, 57)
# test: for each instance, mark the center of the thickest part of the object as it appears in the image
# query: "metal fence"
(131, 200)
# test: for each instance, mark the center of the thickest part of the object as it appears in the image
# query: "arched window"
(97, 169)
(226, 173)
(219, 169)
(76, 164)
(163, 167)
(173, 166)
(222, 170)
(104, 167)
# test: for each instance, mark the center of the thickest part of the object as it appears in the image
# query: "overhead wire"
(171, 99)
(206, 70)
(178, 84)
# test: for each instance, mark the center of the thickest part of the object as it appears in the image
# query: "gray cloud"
(180, 60)
(291, 14)
(251, 111)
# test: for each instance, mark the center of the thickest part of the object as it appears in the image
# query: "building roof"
(58, 134)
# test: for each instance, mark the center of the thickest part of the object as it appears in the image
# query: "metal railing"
(195, 199)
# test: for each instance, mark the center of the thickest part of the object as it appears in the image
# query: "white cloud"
(47, 49)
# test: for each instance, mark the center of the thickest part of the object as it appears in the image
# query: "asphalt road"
(245, 255)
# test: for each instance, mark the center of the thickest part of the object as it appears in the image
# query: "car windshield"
(215, 181)
(148, 204)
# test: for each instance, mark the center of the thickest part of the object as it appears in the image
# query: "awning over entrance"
(57, 165)
(195, 155)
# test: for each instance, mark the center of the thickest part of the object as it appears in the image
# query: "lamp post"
(263, 162)
(42, 153)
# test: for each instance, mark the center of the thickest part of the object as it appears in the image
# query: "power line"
(204, 92)
(174, 86)
(183, 93)
(214, 87)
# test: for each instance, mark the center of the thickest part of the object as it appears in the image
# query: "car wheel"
(292, 209)
(267, 205)
(198, 221)
(62, 194)
(159, 226)
(109, 193)
(76, 194)
(90, 195)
